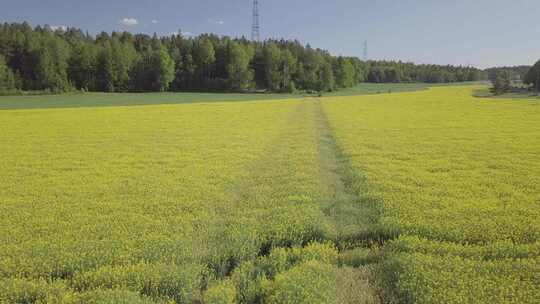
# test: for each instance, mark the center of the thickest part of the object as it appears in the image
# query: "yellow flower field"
(154, 200)
(419, 197)
(457, 181)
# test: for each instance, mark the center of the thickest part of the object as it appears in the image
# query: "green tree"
(51, 57)
(239, 73)
(176, 56)
(189, 68)
(345, 76)
(106, 76)
(115, 61)
(311, 63)
(272, 71)
(42, 59)
(7, 78)
(502, 82)
(532, 77)
(326, 82)
(205, 56)
(124, 58)
(83, 65)
(154, 70)
(166, 69)
(288, 66)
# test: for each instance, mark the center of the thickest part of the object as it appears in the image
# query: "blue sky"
(477, 32)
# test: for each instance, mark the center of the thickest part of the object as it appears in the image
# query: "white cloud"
(218, 22)
(129, 22)
(59, 27)
(154, 21)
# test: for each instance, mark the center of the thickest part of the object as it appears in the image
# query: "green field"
(130, 99)
(98, 99)
(522, 94)
(430, 196)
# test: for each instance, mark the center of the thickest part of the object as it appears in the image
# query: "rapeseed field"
(418, 197)
(150, 202)
(456, 180)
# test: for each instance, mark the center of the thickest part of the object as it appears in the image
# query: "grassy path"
(276, 187)
(303, 182)
(350, 216)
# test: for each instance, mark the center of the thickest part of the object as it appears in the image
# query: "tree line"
(516, 73)
(43, 59)
(392, 71)
(532, 77)
(506, 79)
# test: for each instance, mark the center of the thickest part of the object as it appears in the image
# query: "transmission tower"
(365, 51)
(255, 28)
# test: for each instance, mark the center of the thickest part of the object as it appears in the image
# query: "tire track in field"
(262, 197)
(347, 218)
(352, 216)
(353, 213)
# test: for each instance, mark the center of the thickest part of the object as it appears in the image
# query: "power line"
(255, 28)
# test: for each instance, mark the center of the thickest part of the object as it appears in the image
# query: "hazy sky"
(477, 32)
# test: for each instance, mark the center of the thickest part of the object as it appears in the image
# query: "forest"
(521, 78)
(517, 73)
(45, 60)
(532, 77)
